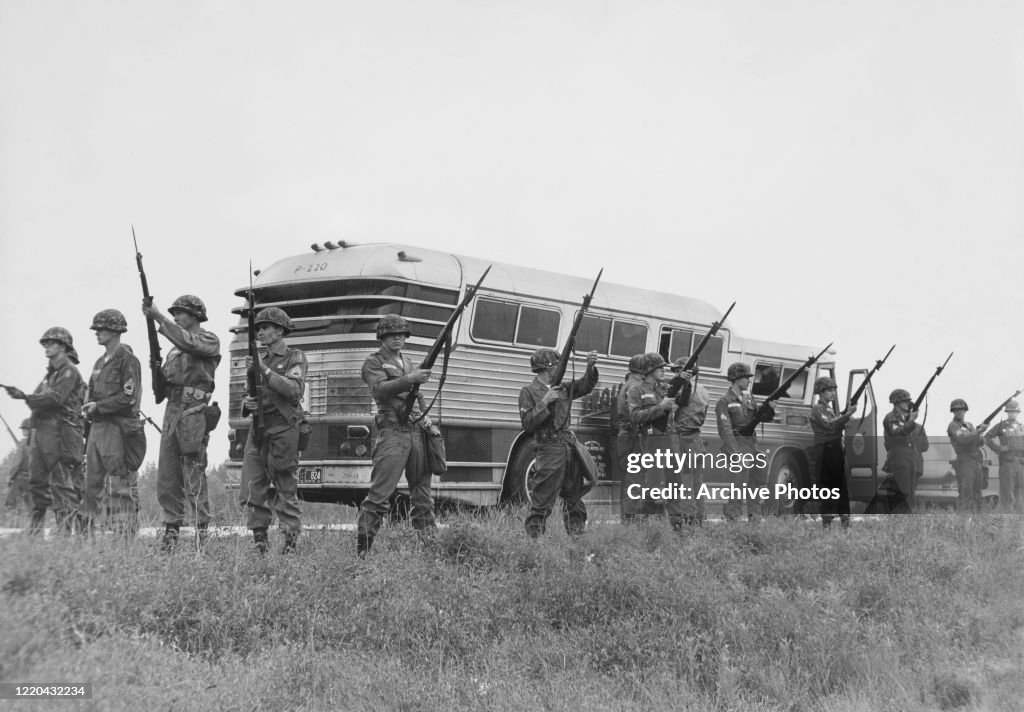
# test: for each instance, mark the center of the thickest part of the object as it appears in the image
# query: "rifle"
(570, 343)
(991, 416)
(150, 421)
(765, 409)
(443, 338)
(155, 360)
(254, 379)
(938, 370)
(15, 438)
(864, 384)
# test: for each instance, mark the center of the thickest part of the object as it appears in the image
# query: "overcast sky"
(847, 171)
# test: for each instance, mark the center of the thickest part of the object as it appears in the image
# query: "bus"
(336, 293)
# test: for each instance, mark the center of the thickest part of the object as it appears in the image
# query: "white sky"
(847, 171)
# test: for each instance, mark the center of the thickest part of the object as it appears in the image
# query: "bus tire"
(515, 491)
(784, 470)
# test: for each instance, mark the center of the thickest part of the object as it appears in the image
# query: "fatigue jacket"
(115, 384)
(60, 394)
(966, 442)
(827, 425)
(621, 406)
(538, 418)
(193, 359)
(690, 418)
(1010, 438)
(284, 387)
(387, 377)
(733, 413)
(643, 400)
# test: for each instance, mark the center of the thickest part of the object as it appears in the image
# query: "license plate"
(311, 476)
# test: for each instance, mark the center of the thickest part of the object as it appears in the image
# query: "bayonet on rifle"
(155, 360)
(938, 370)
(867, 379)
(253, 378)
(570, 343)
(992, 416)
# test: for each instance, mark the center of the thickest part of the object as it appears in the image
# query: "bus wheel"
(784, 471)
(519, 478)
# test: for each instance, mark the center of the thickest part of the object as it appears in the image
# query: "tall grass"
(905, 613)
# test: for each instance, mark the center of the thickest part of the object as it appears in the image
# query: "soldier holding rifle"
(56, 459)
(735, 412)
(690, 411)
(627, 440)
(967, 442)
(1007, 439)
(827, 452)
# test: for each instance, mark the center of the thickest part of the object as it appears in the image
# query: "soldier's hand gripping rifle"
(444, 337)
(253, 378)
(991, 416)
(155, 360)
(864, 384)
(938, 369)
(765, 411)
(570, 343)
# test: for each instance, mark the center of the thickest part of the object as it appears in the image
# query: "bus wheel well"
(787, 466)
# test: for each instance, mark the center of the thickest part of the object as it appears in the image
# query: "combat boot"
(363, 544)
(291, 540)
(259, 537)
(202, 536)
(35, 523)
(170, 540)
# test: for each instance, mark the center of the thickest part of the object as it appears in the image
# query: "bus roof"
(447, 270)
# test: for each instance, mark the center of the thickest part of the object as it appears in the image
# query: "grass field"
(911, 613)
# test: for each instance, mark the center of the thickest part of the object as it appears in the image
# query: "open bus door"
(861, 441)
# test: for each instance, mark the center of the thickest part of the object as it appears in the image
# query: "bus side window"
(594, 334)
(766, 378)
(494, 321)
(628, 338)
(538, 327)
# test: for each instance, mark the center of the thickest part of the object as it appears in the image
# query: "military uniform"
(56, 459)
(18, 494)
(115, 388)
(558, 471)
(274, 461)
(968, 464)
(830, 460)
(1007, 439)
(903, 439)
(627, 441)
(687, 441)
(733, 413)
(647, 418)
(188, 373)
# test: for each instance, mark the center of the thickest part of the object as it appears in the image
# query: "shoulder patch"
(296, 372)
(724, 418)
(129, 387)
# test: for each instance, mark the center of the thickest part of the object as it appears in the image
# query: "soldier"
(112, 406)
(904, 442)
(544, 411)
(734, 411)
(967, 441)
(18, 493)
(188, 374)
(56, 456)
(628, 441)
(273, 462)
(691, 409)
(1007, 439)
(399, 444)
(827, 451)
(649, 407)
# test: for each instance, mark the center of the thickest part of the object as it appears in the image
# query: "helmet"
(392, 324)
(189, 304)
(26, 424)
(651, 362)
(823, 384)
(678, 364)
(58, 334)
(273, 315)
(899, 395)
(110, 319)
(543, 359)
(636, 364)
(738, 370)
(1012, 406)
(957, 403)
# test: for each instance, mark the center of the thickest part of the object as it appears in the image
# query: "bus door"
(862, 442)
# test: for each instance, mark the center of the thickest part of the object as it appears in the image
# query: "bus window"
(798, 387)
(594, 334)
(537, 327)
(766, 378)
(628, 339)
(494, 321)
(711, 356)
(680, 343)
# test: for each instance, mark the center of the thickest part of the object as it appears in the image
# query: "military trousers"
(755, 478)
(272, 464)
(969, 476)
(556, 473)
(896, 492)
(397, 448)
(107, 477)
(181, 488)
(692, 447)
(831, 468)
(55, 468)
(1011, 483)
